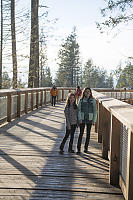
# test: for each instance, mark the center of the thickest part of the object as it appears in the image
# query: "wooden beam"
(37, 99)
(18, 104)
(106, 126)
(31, 100)
(9, 103)
(115, 152)
(100, 118)
(129, 181)
(26, 102)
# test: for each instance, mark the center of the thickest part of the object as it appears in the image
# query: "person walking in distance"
(53, 93)
(87, 115)
(71, 115)
(78, 93)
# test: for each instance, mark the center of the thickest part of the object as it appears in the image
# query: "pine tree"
(46, 77)
(95, 77)
(110, 81)
(126, 77)
(6, 83)
(90, 74)
(69, 66)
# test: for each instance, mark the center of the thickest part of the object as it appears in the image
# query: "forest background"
(27, 32)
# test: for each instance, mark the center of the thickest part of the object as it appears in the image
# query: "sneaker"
(85, 151)
(71, 151)
(78, 152)
(61, 151)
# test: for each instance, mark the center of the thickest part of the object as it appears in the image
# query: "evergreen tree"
(90, 74)
(95, 77)
(110, 81)
(46, 77)
(126, 77)
(21, 84)
(6, 81)
(43, 56)
(69, 66)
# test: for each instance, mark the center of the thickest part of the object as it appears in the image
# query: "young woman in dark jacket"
(71, 115)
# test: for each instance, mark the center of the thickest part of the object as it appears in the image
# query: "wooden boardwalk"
(32, 169)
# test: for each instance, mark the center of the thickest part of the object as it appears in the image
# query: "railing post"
(36, 99)
(41, 98)
(96, 124)
(18, 104)
(9, 103)
(129, 180)
(31, 100)
(26, 102)
(106, 125)
(63, 95)
(115, 151)
(45, 97)
(100, 118)
(58, 96)
(116, 95)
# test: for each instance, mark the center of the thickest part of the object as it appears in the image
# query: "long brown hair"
(83, 92)
(68, 100)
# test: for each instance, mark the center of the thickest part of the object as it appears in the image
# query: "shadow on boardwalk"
(31, 167)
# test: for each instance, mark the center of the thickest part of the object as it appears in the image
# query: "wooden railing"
(115, 131)
(120, 94)
(13, 103)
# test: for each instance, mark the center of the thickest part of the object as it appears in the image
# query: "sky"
(106, 50)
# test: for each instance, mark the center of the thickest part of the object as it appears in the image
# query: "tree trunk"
(1, 45)
(33, 80)
(14, 54)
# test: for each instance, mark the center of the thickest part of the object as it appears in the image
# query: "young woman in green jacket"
(87, 115)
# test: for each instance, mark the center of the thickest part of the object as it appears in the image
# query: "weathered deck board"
(32, 169)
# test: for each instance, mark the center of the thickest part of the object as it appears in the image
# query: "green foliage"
(95, 77)
(125, 77)
(46, 78)
(21, 84)
(69, 70)
(118, 12)
(6, 81)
